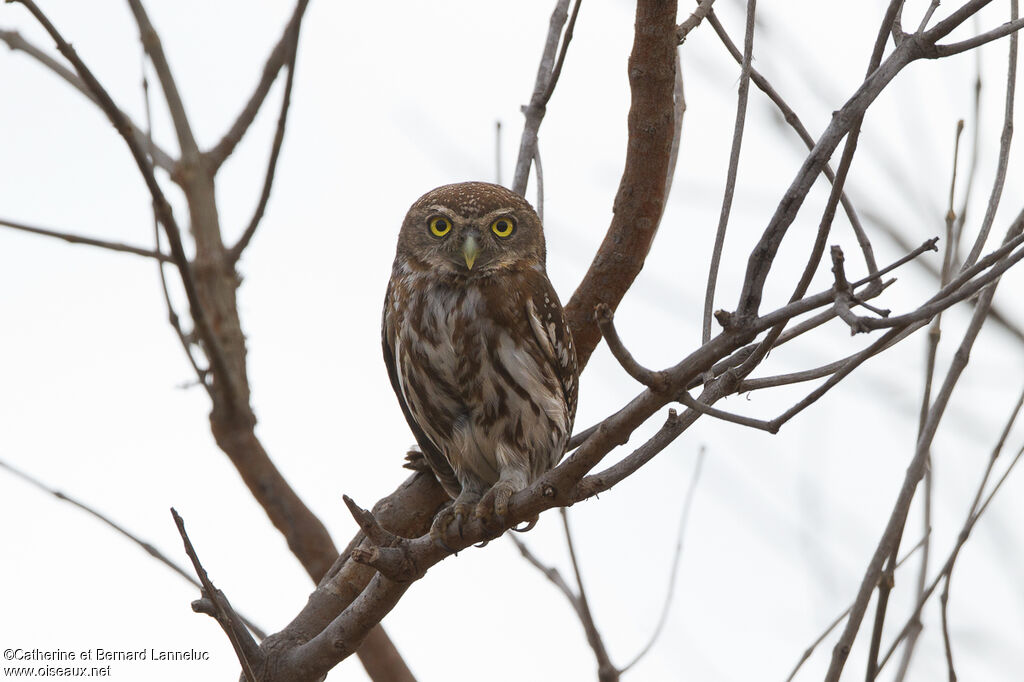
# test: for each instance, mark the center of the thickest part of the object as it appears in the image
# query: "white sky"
(390, 100)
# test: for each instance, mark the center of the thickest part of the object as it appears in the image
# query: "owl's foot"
(493, 505)
(448, 522)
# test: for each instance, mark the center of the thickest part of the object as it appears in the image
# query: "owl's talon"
(494, 505)
(530, 523)
(452, 518)
(439, 528)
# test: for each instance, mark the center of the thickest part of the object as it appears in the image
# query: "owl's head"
(471, 229)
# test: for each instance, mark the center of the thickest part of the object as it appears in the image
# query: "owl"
(477, 347)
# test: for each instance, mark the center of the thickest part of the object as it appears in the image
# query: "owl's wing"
(438, 464)
(547, 320)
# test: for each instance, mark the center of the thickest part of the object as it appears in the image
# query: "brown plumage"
(477, 347)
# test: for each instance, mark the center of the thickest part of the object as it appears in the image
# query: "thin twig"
(245, 648)
(914, 473)
(271, 68)
(151, 42)
(688, 400)
(293, 47)
(606, 672)
(1005, 140)
(684, 520)
(110, 523)
(534, 111)
(15, 41)
(693, 21)
(839, 619)
(730, 178)
(549, 572)
(606, 322)
(934, 5)
(972, 169)
(161, 205)
(89, 241)
(1008, 29)
(978, 507)
(934, 336)
(789, 115)
(187, 344)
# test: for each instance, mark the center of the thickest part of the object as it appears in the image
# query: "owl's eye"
(440, 226)
(503, 227)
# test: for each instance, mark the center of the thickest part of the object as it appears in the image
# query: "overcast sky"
(390, 100)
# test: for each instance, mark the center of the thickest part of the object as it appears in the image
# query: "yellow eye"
(440, 226)
(503, 227)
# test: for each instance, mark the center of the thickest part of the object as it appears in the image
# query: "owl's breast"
(476, 380)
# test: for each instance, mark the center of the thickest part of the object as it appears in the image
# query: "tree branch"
(16, 42)
(734, 161)
(151, 43)
(161, 205)
(275, 61)
(655, 381)
(235, 252)
(89, 241)
(218, 607)
(543, 86)
(693, 21)
(639, 202)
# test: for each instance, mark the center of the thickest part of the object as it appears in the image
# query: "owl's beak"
(470, 251)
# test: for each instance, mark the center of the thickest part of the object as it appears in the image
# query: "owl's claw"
(494, 504)
(450, 519)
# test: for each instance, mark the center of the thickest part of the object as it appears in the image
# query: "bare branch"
(187, 344)
(151, 43)
(245, 647)
(1009, 28)
(656, 381)
(734, 162)
(1005, 140)
(149, 548)
(676, 556)
(841, 616)
(693, 21)
(762, 256)
(543, 87)
(934, 335)
(606, 672)
(961, 287)
(77, 239)
(686, 399)
(275, 61)
(978, 507)
(791, 119)
(236, 251)
(549, 572)
(161, 205)
(915, 471)
(16, 42)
